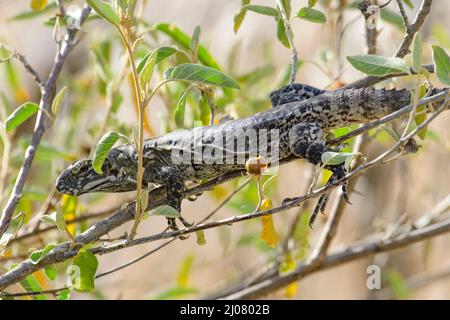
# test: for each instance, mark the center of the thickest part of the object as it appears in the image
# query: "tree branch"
(351, 253)
(41, 123)
(403, 49)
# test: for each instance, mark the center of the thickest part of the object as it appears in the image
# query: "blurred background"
(397, 192)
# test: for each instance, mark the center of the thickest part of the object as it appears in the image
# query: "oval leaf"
(238, 18)
(378, 66)
(442, 62)
(265, 10)
(417, 53)
(312, 15)
(38, 255)
(198, 73)
(181, 38)
(101, 150)
(86, 264)
(104, 10)
(21, 114)
(335, 158)
(166, 211)
(195, 39)
(147, 65)
(281, 33)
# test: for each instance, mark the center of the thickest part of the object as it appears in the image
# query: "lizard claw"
(320, 207)
(185, 223)
(173, 226)
(345, 192)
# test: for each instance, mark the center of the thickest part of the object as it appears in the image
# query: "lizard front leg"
(307, 141)
(174, 185)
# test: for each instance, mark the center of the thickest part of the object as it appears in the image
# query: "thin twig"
(423, 12)
(290, 37)
(41, 123)
(403, 13)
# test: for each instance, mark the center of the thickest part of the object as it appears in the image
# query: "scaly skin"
(301, 117)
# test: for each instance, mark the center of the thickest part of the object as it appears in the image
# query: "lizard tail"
(373, 104)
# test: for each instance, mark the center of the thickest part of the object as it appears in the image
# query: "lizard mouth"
(80, 178)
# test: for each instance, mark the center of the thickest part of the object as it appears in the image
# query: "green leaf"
(417, 53)
(180, 109)
(49, 218)
(166, 211)
(38, 255)
(86, 264)
(184, 41)
(312, 15)
(312, 3)
(239, 18)
(21, 114)
(147, 65)
(103, 146)
(287, 7)
(378, 66)
(60, 221)
(58, 100)
(442, 63)
(50, 272)
(195, 39)
(198, 73)
(104, 10)
(159, 54)
(281, 33)
(264, 10)
(335, 158)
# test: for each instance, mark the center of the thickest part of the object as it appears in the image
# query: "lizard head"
(118, 175)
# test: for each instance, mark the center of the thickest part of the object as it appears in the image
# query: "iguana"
(296, 125)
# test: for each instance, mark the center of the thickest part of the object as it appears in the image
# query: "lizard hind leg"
(174, 186)
(307, 141)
